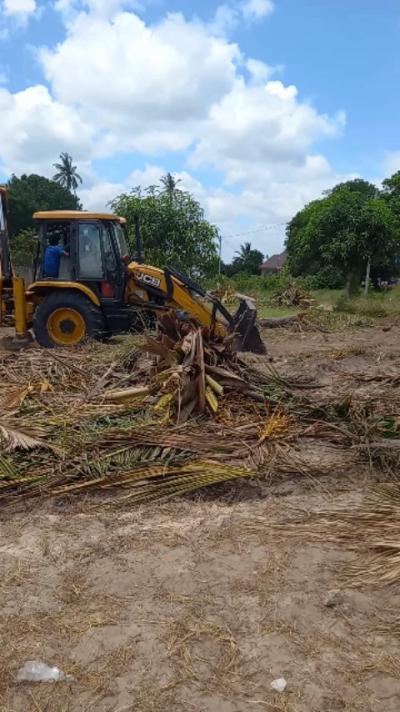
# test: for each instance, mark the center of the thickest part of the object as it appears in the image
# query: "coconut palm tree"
(169, 183)
(245, 251)
(67, 175)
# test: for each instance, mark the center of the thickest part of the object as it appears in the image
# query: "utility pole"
(367, 277)
(219, 256)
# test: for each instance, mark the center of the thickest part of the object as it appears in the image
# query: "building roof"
(275, 262)
(75, 215)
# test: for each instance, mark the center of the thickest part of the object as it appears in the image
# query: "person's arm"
(62, 252)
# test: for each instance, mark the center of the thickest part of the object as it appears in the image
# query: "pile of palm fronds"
(154, 417)
(292, 296)
(104, 419)
(225, 293)
(186, 372)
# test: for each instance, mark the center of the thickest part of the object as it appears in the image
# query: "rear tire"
(67, 318)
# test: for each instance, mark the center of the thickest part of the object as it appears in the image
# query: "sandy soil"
(197, 605)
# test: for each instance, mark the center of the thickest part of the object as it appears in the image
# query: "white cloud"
(19, 8)
(260, 125)
(259, 71)
(98, 196)
(119, 85)
(103, 8)
(266, 200)
(256, 9)
(391, 163)
(35, 128)
(152, 85)
(225, 19)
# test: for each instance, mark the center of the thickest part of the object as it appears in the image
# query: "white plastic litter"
(36, 671)
(279, 685)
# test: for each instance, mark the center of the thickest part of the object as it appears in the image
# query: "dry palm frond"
(16, 438)
(13, 401)
(196, 439)
(150, 481)
(392, 378)
(370, 529)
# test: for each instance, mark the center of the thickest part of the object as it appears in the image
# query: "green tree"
(391, 193)
(338, 235)
(356, 185)
(67, 174)
(247, 260)
(174, 229)
(28, 194)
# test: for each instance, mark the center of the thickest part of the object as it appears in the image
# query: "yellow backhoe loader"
(98, 290)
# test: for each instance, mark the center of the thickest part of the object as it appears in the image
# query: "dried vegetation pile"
(175, 413)
(293, 296)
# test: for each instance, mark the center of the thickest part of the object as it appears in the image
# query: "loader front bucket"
(245, 326)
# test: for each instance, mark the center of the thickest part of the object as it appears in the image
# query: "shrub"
(23, 247)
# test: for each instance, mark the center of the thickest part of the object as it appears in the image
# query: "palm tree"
(244, 251)
(67, 175)
(169, 183)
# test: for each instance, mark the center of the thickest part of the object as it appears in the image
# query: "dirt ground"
(199, 604)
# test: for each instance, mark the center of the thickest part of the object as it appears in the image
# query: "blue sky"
(257, 105)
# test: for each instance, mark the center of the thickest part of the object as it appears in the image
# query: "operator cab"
(93, 246)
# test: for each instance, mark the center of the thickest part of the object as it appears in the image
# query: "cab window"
(2, 217)
(121, 240)
(89, 251)
(110, 259)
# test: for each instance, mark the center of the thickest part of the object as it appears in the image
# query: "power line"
(252, 232)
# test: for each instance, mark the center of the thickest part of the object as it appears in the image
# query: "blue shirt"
(52, 258)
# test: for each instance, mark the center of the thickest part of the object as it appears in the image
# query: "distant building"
(274, 264)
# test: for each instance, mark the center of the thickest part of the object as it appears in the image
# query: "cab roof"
(75, 215)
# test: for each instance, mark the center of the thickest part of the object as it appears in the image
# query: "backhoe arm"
(158, 289)
(12, 288)
(154, 288)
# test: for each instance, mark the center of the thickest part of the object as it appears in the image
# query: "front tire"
(66, 318)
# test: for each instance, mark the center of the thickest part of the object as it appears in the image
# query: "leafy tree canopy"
(391, 193)
(338, 234)
(174, 229)
(247, 261)
(356, 185)
(28, 194)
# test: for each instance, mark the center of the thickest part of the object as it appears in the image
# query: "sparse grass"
(265, 311)
(348, 352)
(327, 296)
(203, 651)
(376, 305)
(366, 306)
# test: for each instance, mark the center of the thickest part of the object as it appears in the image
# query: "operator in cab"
(52, 257)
